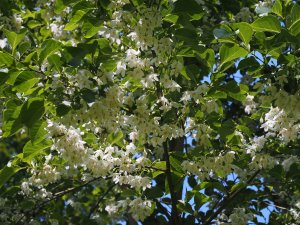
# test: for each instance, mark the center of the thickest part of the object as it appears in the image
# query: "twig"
(228, 199)
(94, 208)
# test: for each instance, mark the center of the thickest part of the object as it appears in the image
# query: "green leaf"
(5, 59)
(176, 165)
(23, 80)
(3, 77)
(229, 52)
(160, 165)
(115, 138)
(32, 111)
(245, 31)
(31, 150)
(222, 33)
(14, 39)
(33, 24)
(49, 47)
(171, 18)
(55, 61)
(267, 23)
(277, 8)
(12, 122)
(237, 186)
(294, 26)
(90, 28)
(37, 131)
(24, 47)
(6, 173)
(74, 22)
(136, 2)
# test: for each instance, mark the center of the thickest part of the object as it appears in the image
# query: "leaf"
(90, 28)
(222, 33)
(6, 173)
(3, 77)
(294, 27)
(48, 48)
(75, 20)
(12, 122)
(23, 80)
(230, 52)
(55, 61)
(277, 8)
(115, 138)
(237, 187)
(267, 23)
(6, 59)
(176, 165)
(171, 18)
(245, 31)
(14, 39)
(24, 47)
(33, 24)
(37, 131)
(32, 111)
(160, 165)
(31, 150)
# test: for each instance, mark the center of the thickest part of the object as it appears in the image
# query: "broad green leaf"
(207, 57)
(217, 95)
(267, 23)
(23, 47)
(229, 52)
(176, 165)
(5, 59)
(294, 26)
(244, 31)
(237, 187)
(171, 18)
(37, 131)
(115, 138)
(23, 80)
(160, 165)
(14, 38)
(222, 33)
(75, 20)
(31, 150)
(3, 77)
(294, 15)
(55, 61)
(24, 75)
(32, 111)
(6, 173)
(33, 24)
(90, 28)
(189, 8)
(49, 47)
(277, 8)
(136, 2)
(12, 122)
(22, 86)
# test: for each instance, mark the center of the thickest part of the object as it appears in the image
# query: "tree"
(149, 111)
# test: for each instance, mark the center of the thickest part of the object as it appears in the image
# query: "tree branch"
(93, 209)
(228, 199)
(175, 218)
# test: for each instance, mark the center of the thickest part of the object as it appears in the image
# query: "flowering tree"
(149, 111)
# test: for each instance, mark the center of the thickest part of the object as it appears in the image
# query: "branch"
(174, 213)
(55, 196)
(93, 209)
(228, 199)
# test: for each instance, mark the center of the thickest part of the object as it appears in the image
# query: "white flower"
(3, 43)
(286, 164)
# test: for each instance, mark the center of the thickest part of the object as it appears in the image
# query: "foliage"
(149, 111)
